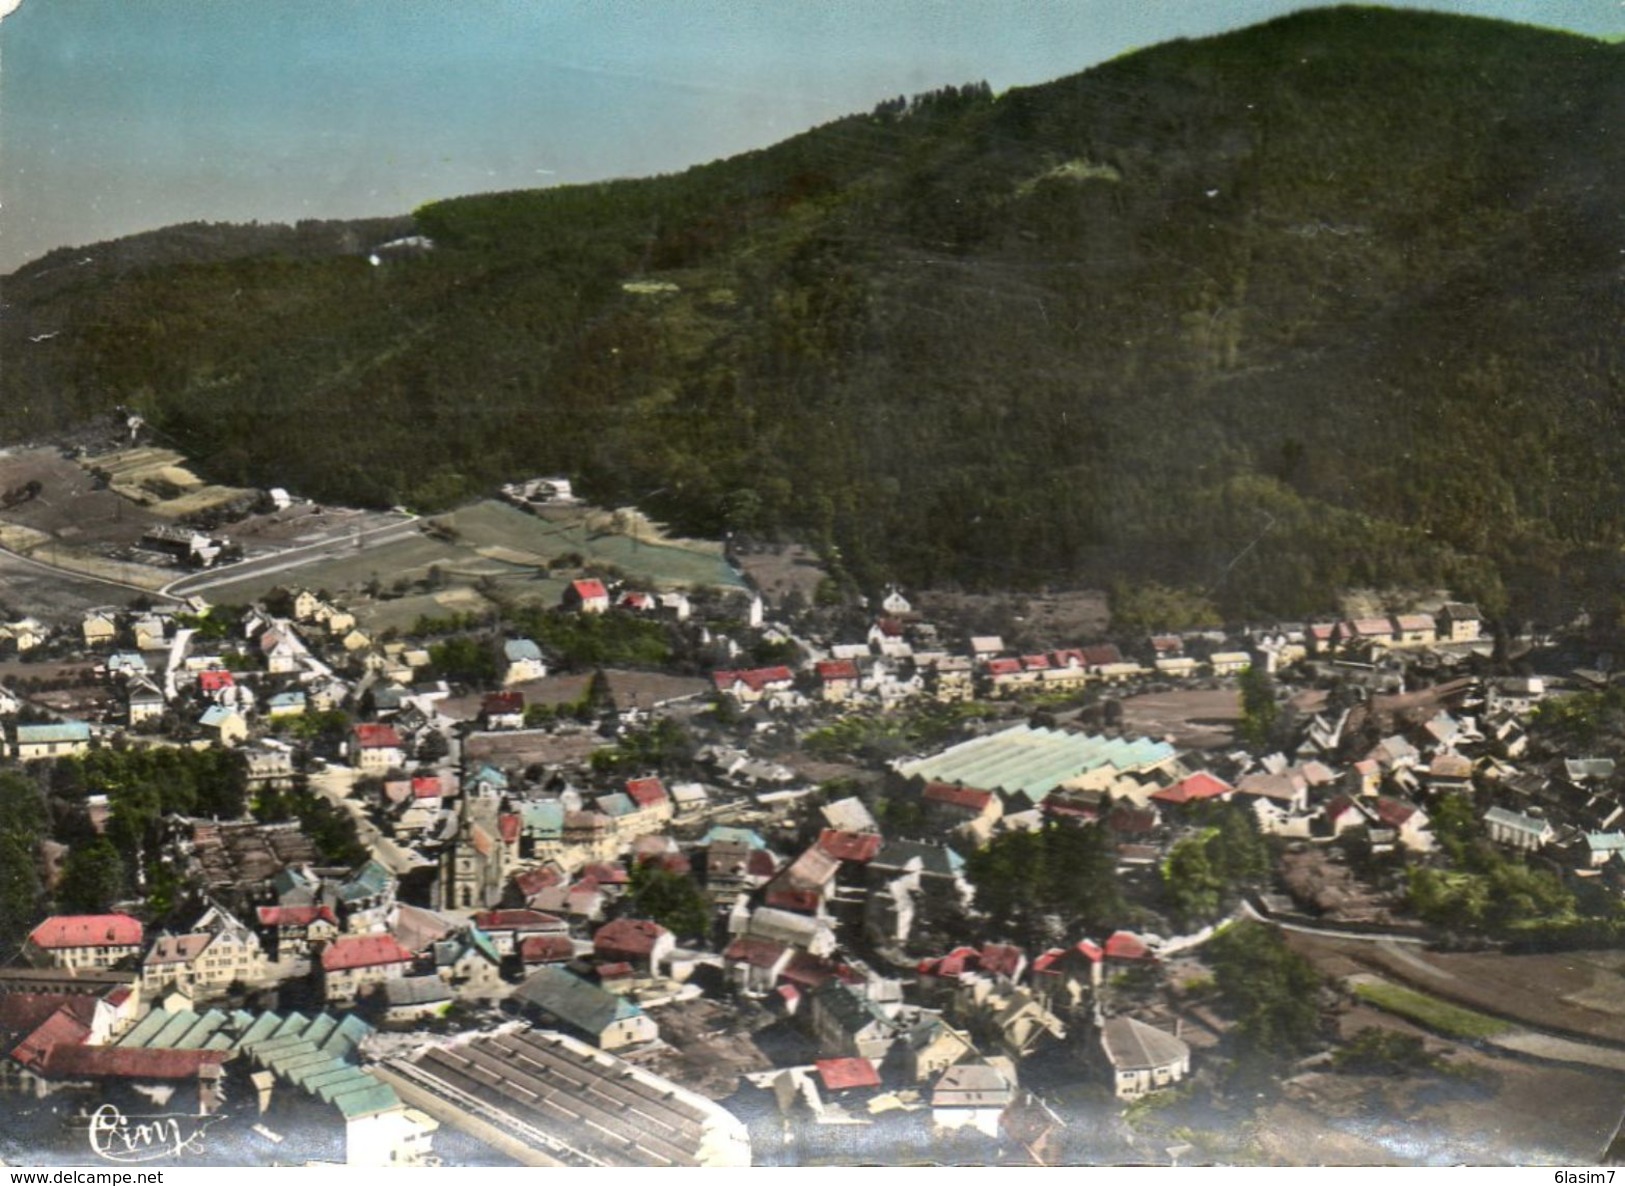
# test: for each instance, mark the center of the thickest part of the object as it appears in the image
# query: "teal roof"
(1033, 761)
(66, 731)
(517, 649)
(616, 805)
(207, 1026)
(574, 1001)
(1515, 820)
(146, 1028)
(379, 1097)
(542, 819)
(369, 881)
(488, 775)
(1606, 841)
(728, 835)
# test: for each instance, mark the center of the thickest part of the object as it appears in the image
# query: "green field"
(1439, 1016)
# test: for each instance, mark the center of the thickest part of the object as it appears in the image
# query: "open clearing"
(1196, 718)
(1490, 1110)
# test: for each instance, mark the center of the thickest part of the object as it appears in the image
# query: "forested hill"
(1336, 300)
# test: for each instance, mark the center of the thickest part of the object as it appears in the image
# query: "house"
(228, 725)
(689, 798)
(1197, 788)
(100, 628)
(286, 704)
(52, 741)
(1601, 847)
(972, 1095)
(1229, 662)
(930, 1046)
(750, 687)
(754, 966)
(1414, 630)
(215, 681)
(1515, 828)
(84, 941)
(643, 944)
(957, 806)
(509, 929)
(503, 710)
(608, 1021)
(354, 964)
(218, 951)
(468, 960)
(1177, 667)
(1409, 822)
(849, 815)
(844, 1023)
(143, 703)
(649, 797)
(524, 661)
(295, 930)
(375, 748)
(366, 898)
(806, 884)
(1143, 1058)
(838, 679)
(416, 998)
(1459, 622)
(586, 596)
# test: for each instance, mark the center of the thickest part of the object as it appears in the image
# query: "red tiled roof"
(1132, 821)
(951, 966)
(1049, 964)
(840, 1074)
(627, 938)
(588, 589)
(518, 920)
(1002, 960)
(1090, 950)
(546, 949)
(646, 792)
(1394, 813)
(1101, 655)
(618, 970)
(1072, 657)
(502, 703)
(756, 679)
(534, 881)
(833, 669)
(1415, 621)
(377, 737)
(215, 681)
(60, 1028)
(1035, 662)
(890, 627)
(294, 916)
(761, 863)
(671, 862)
(605, 874)
(363, 951)
(1165, 644)
(859, 847)
(127, 1062)
(1003, 666)
(1200, 785)
(809, 971)
(427, 786)
(758, 953)
(508, 825)
(949, 795)
(23, 1012)
(1338, 806)
(1125, 945)
(637, 600)
(87, 930)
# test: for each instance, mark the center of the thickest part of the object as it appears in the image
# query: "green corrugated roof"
(293, 1023)
(1033, 761)
(355, 1080)
(207, 1026)
(264, 1026)
(379, 1098)
(179, 1024)
(146, 1029)
(318, 1030)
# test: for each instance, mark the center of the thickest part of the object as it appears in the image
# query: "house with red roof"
(509, 929)
(838, 680)
(806, 884)
(652, 803)
(637, 941)
(857, 848)
(587, 596)
(212, 683)
(294, 930)
(752, 686)
(1127, 947)
(79, 941)
(838, 1075)
(1408, 822)
(1006, 676)
(354, 964)
(375, 748)
(1415, 630)
(956, 806)
(754, 965)
(1199, 787)
(536, 950)
(503, 710)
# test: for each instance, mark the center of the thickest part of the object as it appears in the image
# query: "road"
(74, 574)
(335, 783)
(288, 558)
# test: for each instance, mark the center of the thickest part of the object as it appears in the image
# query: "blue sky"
(123, 115)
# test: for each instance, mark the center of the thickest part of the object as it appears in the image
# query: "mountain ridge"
(1328, 301)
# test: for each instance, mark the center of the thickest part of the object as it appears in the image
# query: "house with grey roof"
(1143, 1058)
(847, 1024)
(606, 1020)
(1514, 828)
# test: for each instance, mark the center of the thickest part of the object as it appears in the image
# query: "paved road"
(288, 558)
(335, 783)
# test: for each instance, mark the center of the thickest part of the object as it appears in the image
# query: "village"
(667, 875)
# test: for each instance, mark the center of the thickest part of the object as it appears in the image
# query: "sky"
(124, 115)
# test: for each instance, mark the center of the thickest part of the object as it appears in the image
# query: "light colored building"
(1143, 1058)
(84, 941)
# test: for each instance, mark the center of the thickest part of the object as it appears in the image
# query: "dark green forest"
(1332, 301)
